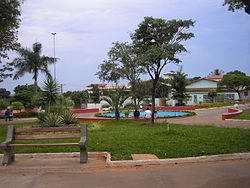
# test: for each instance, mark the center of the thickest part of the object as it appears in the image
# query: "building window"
(246, 93)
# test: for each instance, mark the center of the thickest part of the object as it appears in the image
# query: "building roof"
(99, 85)
(213, 78)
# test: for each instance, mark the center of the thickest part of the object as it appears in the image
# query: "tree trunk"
(239, 95)
(153, 99)
(35, 86)
(117, 113)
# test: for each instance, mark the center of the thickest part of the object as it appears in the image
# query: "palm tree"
(50, 91)
(116, 98)
(32, 62)
(178, 83)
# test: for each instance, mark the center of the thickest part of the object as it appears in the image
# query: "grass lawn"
(123, 138)
(244, 115)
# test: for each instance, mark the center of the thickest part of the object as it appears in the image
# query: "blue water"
(158, 114)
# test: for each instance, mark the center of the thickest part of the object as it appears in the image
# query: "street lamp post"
(54, 45)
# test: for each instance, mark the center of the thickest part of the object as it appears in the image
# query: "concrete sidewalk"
(68, 172)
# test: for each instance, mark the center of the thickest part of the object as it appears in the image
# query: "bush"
(26, 114)
(68, 117)
(51, 120)
(210, 105)
(17, 105)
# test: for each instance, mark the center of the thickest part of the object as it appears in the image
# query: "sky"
(85, 31)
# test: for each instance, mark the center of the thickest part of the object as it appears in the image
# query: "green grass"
(123, 138)
(244, 115)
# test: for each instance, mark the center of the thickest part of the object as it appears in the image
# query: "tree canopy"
(31, 61)
(238, 4)
(9, 24)
(4, 94)
(26, 87)
(236, 80)
(78, 97)
(158, 42)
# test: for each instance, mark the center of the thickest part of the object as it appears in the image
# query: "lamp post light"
(54, 45)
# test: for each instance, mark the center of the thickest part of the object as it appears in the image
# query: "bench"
(58, 133)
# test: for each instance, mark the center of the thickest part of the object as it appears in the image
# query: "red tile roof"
(100, 85)
(214, 77)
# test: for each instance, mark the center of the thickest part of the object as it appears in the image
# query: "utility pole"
(54, 46)
(62, 88)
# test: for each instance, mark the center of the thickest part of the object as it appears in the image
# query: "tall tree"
(125, 65)
(95, 93)
(78, 97)
(126, 58)
(25, 97)
(158, 42)
(179, 82)
(9, 24)
(236, 80)
(4, 94)
(32, 61)
(238, 4)
(26, 87)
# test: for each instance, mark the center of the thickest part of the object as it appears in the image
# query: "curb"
(130, 163)
(222, 157)
(201, 109)
(243, 120)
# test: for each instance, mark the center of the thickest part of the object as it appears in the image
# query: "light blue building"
(198, 91)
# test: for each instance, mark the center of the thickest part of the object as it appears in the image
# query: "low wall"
(231, 113)
(81, 111)
(171, 108)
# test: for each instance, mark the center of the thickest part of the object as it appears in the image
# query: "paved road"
(226, 174)
(212, 117)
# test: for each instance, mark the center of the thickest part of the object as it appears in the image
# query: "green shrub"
(26, 114)
(51, 120)
(17, 105)
(68, 117)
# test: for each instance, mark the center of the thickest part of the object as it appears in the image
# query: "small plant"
(68, 117)
(126, 112)
(51, 120)
(17, 105)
